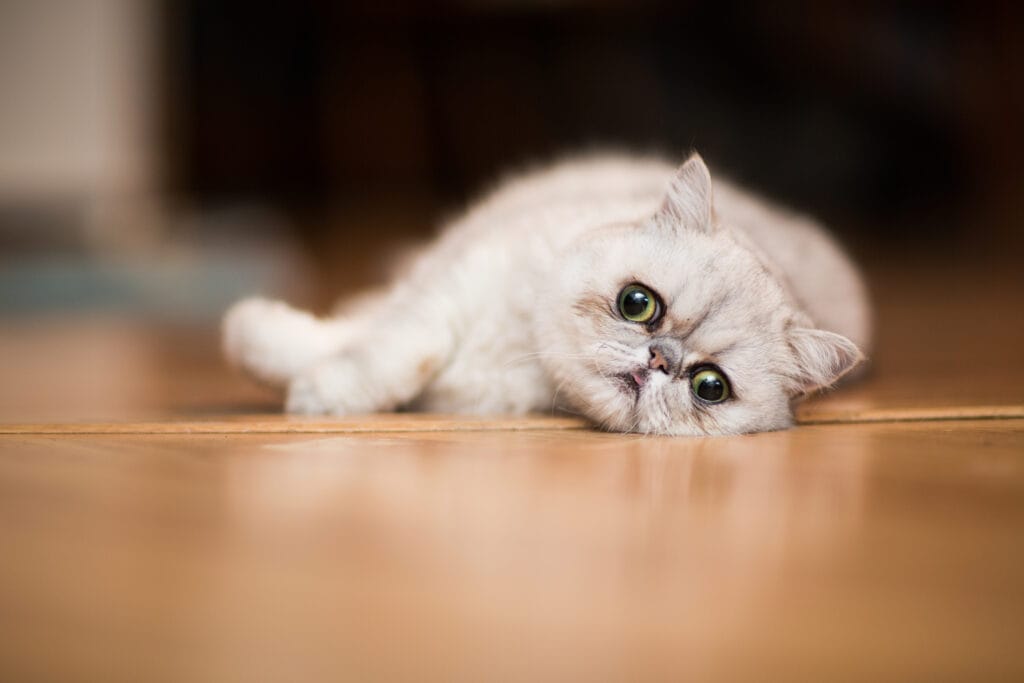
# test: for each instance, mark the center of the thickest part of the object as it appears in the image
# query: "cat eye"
(709, 384)
(638, 304)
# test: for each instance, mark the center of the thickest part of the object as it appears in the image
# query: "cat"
(616, 287)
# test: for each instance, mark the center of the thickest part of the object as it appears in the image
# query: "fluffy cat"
(620, 288)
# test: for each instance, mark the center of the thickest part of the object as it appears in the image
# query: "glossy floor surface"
(159, 522)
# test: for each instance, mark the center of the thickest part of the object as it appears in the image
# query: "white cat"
(614, 287)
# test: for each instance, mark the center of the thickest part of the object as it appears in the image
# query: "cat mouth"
(632, 382)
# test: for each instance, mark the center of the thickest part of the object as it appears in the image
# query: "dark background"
(896, 123)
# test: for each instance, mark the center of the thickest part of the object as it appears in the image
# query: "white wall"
(77, 103)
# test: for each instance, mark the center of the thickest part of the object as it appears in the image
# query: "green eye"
(638, 304)
(709, 384)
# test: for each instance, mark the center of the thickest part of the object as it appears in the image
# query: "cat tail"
(274, 342)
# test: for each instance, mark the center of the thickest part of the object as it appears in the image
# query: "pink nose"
(658, 360)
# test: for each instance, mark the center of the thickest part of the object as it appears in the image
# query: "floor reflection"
(704, 536)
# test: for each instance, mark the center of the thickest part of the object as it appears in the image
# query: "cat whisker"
(554, 396)
(635, 427)
(545, 354)
(615, 346)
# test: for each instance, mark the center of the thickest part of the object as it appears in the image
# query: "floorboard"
(857, 552)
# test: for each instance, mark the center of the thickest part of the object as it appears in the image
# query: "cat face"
(676, 327)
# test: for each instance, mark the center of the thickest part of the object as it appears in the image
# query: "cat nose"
(661, 359)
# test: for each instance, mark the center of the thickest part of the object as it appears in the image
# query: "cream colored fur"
(514, 309)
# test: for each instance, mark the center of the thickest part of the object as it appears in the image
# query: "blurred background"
(159, 159)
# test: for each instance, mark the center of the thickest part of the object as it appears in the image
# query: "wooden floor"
(160, 522)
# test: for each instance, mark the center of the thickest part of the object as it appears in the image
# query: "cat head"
(678, 327)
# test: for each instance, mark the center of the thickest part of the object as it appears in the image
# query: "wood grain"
(290, 424)
(423, 422)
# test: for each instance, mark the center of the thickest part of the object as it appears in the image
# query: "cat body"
(527, 301)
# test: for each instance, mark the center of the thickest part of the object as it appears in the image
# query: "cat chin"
(618, 405)
(604, 401)
(651, 412)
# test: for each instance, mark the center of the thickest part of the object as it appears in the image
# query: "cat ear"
(821, 358)
(688, 200)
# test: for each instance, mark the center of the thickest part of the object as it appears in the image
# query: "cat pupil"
(711, 388)
(635, 303)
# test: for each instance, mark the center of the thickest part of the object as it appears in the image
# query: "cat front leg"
(382, 370)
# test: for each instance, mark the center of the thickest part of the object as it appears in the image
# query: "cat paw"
(335, 388)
